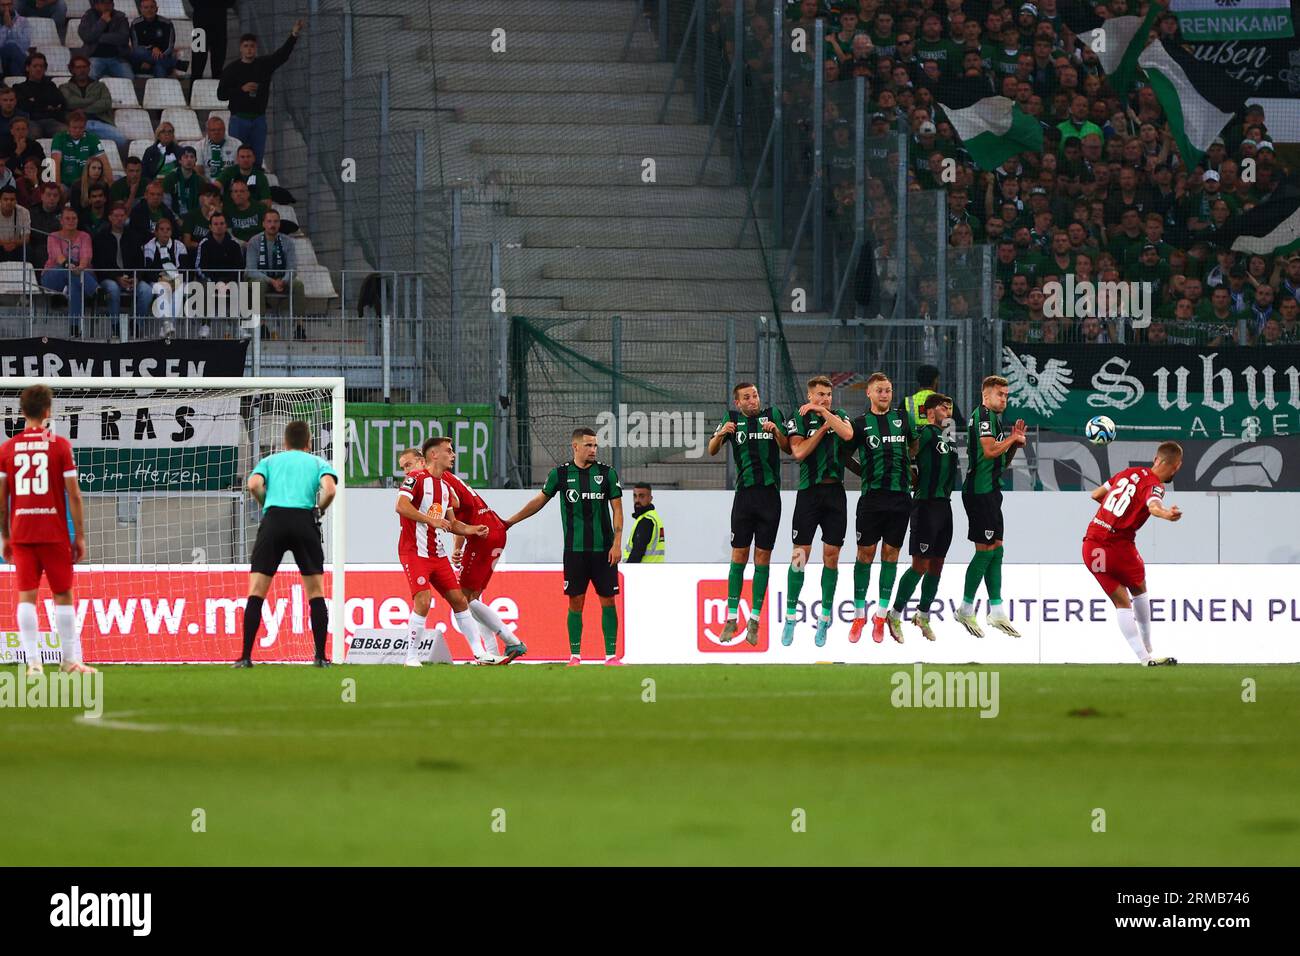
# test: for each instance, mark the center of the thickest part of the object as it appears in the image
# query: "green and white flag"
(1117, 41)
(1270, 229)
(1202, 20)
(992, 128)
(1199, 99)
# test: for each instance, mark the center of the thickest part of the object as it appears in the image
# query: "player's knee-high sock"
(761, 572)
(609, 629)
(414, 633)
(492, 623)
(929, 588)
(1128, 627)
(861, 581)
(1142, 614)
(575, 633)
(320, 625)
(794, 584)
(466, 624)
(888, 571)
(28, 632)
(993, 577)
(830, 577)
(911, 577)
(65, 623)
(974, 575)
(252, 621)
(735, 581)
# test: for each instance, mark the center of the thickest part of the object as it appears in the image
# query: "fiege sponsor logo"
(711, 598)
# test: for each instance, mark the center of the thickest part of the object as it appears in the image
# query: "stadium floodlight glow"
(162, 465)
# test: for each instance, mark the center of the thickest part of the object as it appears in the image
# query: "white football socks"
(414, 635)
(1128, 627)
(65, 623)
(27, 633)
(466, 625)
(491, 620)
(1142, 613)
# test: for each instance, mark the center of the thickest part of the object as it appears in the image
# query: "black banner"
(154, 358)
(1061, 462)
(1271, 67)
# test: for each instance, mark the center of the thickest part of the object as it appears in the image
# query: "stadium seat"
(183, 121)
(123, 91)
(134, 124)
(304, 251)
(184, 33)
(224, 114)
(317, 283)
(203, 95)
(172, 10)
(71, 39)
(56, 59)
(45, 145)
(18, 278)
(159, 94)
(78, 7)
(138, 147)
(287, 213)
(115, 160)
(44, 34)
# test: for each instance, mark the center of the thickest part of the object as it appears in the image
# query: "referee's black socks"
(320, 625)
(252, 621)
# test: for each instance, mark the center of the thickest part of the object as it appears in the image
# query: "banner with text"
(1234, 19)
(378, 431)
(1068, 463)
(169, 442)
(1157, 392)
(162, 358)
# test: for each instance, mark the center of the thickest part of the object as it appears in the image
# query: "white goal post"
(169, 526)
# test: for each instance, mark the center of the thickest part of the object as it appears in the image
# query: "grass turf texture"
(710, 773)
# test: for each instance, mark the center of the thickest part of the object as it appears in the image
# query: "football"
(1100, 430)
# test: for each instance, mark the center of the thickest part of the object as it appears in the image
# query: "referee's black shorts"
(288, 529)
(756, 517)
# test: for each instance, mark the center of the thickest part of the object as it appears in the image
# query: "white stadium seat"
(317, 283)
(18, 278)
(161, 93)
(56, 61)
(44, 34)
(183, 121)
(138, 147)
(123, 92)
(134, 124)
(203, 95)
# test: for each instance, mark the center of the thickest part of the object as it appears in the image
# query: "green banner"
(1156, 392)
(378, 431)
(196, 468)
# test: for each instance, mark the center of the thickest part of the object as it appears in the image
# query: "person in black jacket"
(164, 274)
(117, 261)
(144, 216)
(219, 258)
(210, 17)
(153, 41)
(246, 85)
(40, 99)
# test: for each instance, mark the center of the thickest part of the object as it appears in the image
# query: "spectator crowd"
(1107, 199)
(200, 210)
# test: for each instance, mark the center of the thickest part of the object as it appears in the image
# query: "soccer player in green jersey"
(817, 439)
(990, 448)
(936, 474)
(757, 438)
(591, 511)
(882, 441)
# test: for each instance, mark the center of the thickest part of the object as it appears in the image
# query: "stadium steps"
(565, 78)
(631, 264)
(566, 108)
(452, 46)
(629, 203)
(571, 232)
(529, 170)
(593, 139)
(630, 295)
(538, 18)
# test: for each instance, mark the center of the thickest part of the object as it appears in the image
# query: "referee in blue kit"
(294, 487)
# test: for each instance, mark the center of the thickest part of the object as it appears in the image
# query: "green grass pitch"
(712, 772)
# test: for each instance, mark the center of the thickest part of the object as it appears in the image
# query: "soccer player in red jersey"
(38, 488)
(1110, 553)
(477, 557)
(424, 503)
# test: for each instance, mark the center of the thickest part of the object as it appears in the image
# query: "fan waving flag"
(992, 128)
(1271, 228)
(1117, 41)
(1199, 99)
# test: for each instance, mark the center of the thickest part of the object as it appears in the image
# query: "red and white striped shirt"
(431, 496)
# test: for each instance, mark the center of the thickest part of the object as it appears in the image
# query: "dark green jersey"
(585, 494)
(758, 456)
(936, 463)
(880, 447)
(984, 475)
(827, 460)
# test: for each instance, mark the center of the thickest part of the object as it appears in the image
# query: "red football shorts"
(425, 573)
(480, 558)
(1114, 563)
(54, 558)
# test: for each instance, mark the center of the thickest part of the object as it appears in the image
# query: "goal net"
(162, 466)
